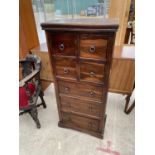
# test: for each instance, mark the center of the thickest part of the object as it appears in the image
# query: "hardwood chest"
(80, 52)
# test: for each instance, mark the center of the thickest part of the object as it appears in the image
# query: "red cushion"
(23, 98)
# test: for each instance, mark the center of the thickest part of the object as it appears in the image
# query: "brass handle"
(92, 74)
(92, 49)
(61, 47)
(91, 93)
(66, 71)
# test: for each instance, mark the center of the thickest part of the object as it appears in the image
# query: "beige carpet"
(53, 140)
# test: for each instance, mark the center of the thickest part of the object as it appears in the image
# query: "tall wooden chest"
(80, 52)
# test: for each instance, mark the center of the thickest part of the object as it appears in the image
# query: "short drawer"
(93, 46)
(81, 89)
(82, 106)
(80, 122)
(64, 44)
(93, 72)
(65, 67)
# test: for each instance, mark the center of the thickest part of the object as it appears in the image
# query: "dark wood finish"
(81, 122)
(81, 106)
(81, 53)
(129, 109)
(93, 72)
(64, 44)
(90, 24)
(65, 67)
(93, 46)
(81, 89)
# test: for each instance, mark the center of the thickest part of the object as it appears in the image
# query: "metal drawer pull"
(92, 49)
(61, 47)
(66, 71)
(92, 74)
(90, 124)
(91, 93)
(66, 89)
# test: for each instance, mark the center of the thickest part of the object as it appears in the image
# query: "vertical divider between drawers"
(78, 57)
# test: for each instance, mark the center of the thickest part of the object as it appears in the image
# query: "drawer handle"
(67, 119)
(92, 49)
(90, 108)
(66, 89)
(92, 93)
(66, 71)
(61, 47)
(92, 74)
(90, 124)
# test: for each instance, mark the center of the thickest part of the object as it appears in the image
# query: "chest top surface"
(88, 23)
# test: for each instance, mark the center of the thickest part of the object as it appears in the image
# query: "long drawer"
(93, 92)
(80, 122)
(81, 106)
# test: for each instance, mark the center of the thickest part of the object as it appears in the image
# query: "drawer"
(81, 106)
(92, 72)
(64, 44)
(81, 89)
(65, 67)
(80, 122)
(93, 46)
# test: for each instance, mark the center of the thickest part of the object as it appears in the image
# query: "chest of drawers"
(80, 52)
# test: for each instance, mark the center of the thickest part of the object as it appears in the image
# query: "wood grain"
(81, 122)
(85, 107)
(126, 53)
(28, 20)
(122, 76)
(93, 72)
(120, 9)
(86, 83)
(45, 84)
(45, 73)
(81, 89)
(64, 44)
(93, 46)
(65, 67)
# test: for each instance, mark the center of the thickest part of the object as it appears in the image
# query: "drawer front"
(80, 122)
(64, 44)
(92, 72)
(93, 46)
(81, 106)
(65, 67)
(81, 89)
